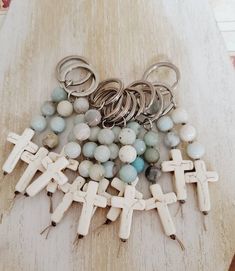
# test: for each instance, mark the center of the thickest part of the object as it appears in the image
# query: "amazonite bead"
(88, 149)
(110, 169)
(165, 124)
(81, 131)
(48, 108)
(80, 118)
(106, 136)
(114, 150)
(140, 146)
(151, 155)
(96, 172)
(58, 95)
(127, 136)
(151, 138)
(138, 164)
(187, 133)
(195, 150)
(84, 167)
(102, 153)
(57, 125)
(65, 108)
(92, 117)
(38, 123)
(127, 154)
(81, 105)
(94, 133)
(116, 130)
(72, 150)
(171, 140)
(179, 116)
(134, 126)
(127, 173)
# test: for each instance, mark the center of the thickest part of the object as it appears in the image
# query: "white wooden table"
(121, 38)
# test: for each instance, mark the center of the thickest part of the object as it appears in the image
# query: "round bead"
(81, 105)
(127, 154)
(93, 117)
(171, 140)
(151, 138)
(116, 130)
(195, 150)
(102, 153)
(84, 168)
(96, 172)
(88, 149)
(57, 124)
(51, 140)
(152, 174)
(187, 133)
(179, 116)
(81, 131)
(94, 133)
(106, 136)
(58, 95)
(128, 173)
(72, 150)
(38, 123)
(80, 118)
(165, 124)
(65, 108)
(135, 126)
(110, 169)
(48, 109)
(114, 150)
(151, 155)
(138, 164)
(127, 136)
(140, 146)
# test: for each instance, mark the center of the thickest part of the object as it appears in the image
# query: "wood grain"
(121, 38)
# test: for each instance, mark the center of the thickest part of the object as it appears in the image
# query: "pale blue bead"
(171, 140)
(102, 153)
(57, 124)
(114, 150)
(140, 146)
(58, 94)
(38, 123)
(138, 164)
(94, 133)
(88, 149)
(134, 126)
(195, 150)
(80, 118)
(116, 130)
(48, 108)
(110, 169)
(106, 136)
(128, 173)
(151, 155)
(165, 124)
(151, 138)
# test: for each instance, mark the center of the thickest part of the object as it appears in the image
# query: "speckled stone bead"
(88, 149)
(65, 108)
(96, 172)
(127, 173)
(152, 174)
(106, 136)
(38, 123)
(50, 140)
(171, 140)
(127, 154)
(72, 150)
(84, 167)
(81, 131)
(127, 136)
(58, 95)
(57, 125)
(195, 150)
(135, 126)
(116, 130)
(187, 133)
(151, 138)
(102, 153)
(151, 155)
(114, 150)
(48, 108)
(92, 117)
(94, 133)
(179, 116)
(80, 118)
(110, 169)
(165, 124)
(140, 146)
(81, 105)
(138, 164)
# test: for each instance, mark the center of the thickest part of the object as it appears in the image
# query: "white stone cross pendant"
(34, 162)
(178, 166)
(22, 143)
(160, 201)
(53, 171)
(90, 199)
(128, 204)
(201, 177)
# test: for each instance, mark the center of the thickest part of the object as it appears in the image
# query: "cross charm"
(202, 177)
(128, 204)
(53, 171)
(160, 202)
(178, 166)
(22, 143)
(34, 162)
(90, 199)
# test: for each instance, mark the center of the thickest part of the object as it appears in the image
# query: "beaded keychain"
(113, 140)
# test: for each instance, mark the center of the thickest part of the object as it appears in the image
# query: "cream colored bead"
(96, 172)
(127, 154)
(179, 116)
(81, 131)
(187, 133)
(65, 108)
